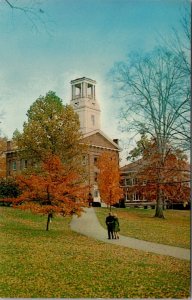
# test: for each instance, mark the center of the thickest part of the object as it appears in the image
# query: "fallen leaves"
(139, 223)
(64, 264)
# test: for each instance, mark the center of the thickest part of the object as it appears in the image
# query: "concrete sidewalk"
(89, 225)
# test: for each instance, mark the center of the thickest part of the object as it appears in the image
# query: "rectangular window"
(95, 176)
(25, 163)
(9, 167)
(93, 120)
(136, 197)
(96, 193)
(14, 165)
(95, 160)
(128, 181)
(84, 160)
(135, 181)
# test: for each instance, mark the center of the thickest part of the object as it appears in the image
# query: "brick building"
(2, 157)
(85, 104)
(133, 196)
(129, 179)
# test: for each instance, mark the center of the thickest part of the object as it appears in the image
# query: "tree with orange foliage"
(52, 190)
(158, 179)
(171, 180)
(109, 178)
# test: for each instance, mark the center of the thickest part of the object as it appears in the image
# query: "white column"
(73, 91)
(84, 89)
(81, 89)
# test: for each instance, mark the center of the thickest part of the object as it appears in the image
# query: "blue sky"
(80, 38)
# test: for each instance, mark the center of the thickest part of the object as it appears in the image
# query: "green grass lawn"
(63, 264)
(174, 230)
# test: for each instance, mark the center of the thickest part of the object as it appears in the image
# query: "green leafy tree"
(138, 151)
(55, 179)
(51, 129)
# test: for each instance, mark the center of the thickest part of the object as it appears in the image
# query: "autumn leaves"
(109, 179)
(55, 181)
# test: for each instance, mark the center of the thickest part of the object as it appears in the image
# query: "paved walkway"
(89, 225)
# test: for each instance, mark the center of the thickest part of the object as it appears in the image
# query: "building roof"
(132, 167)
(140, 163)
(109, 142)
(83, 79)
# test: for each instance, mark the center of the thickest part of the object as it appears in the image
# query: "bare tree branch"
(35, 14)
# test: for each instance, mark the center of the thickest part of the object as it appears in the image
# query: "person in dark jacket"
(109, 222)
(90, 199)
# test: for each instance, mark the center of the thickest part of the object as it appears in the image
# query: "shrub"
(96, 204)
(8, 189)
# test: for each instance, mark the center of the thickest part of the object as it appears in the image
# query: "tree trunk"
(48, 220)
(159, 212)
(110, 200)
(159, 204)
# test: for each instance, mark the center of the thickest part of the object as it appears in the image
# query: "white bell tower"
(85, 104)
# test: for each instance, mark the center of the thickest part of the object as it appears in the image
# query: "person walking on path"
(110, 225)
(90, 199)
(96, 231)
(116, 227)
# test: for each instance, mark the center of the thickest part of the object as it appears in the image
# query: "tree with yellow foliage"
(51, 129)
(55, 179)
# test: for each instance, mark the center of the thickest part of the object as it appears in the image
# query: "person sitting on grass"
(116, 227)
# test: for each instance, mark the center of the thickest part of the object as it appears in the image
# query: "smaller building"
(139, 181)
(14, 164)
(130, 181)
